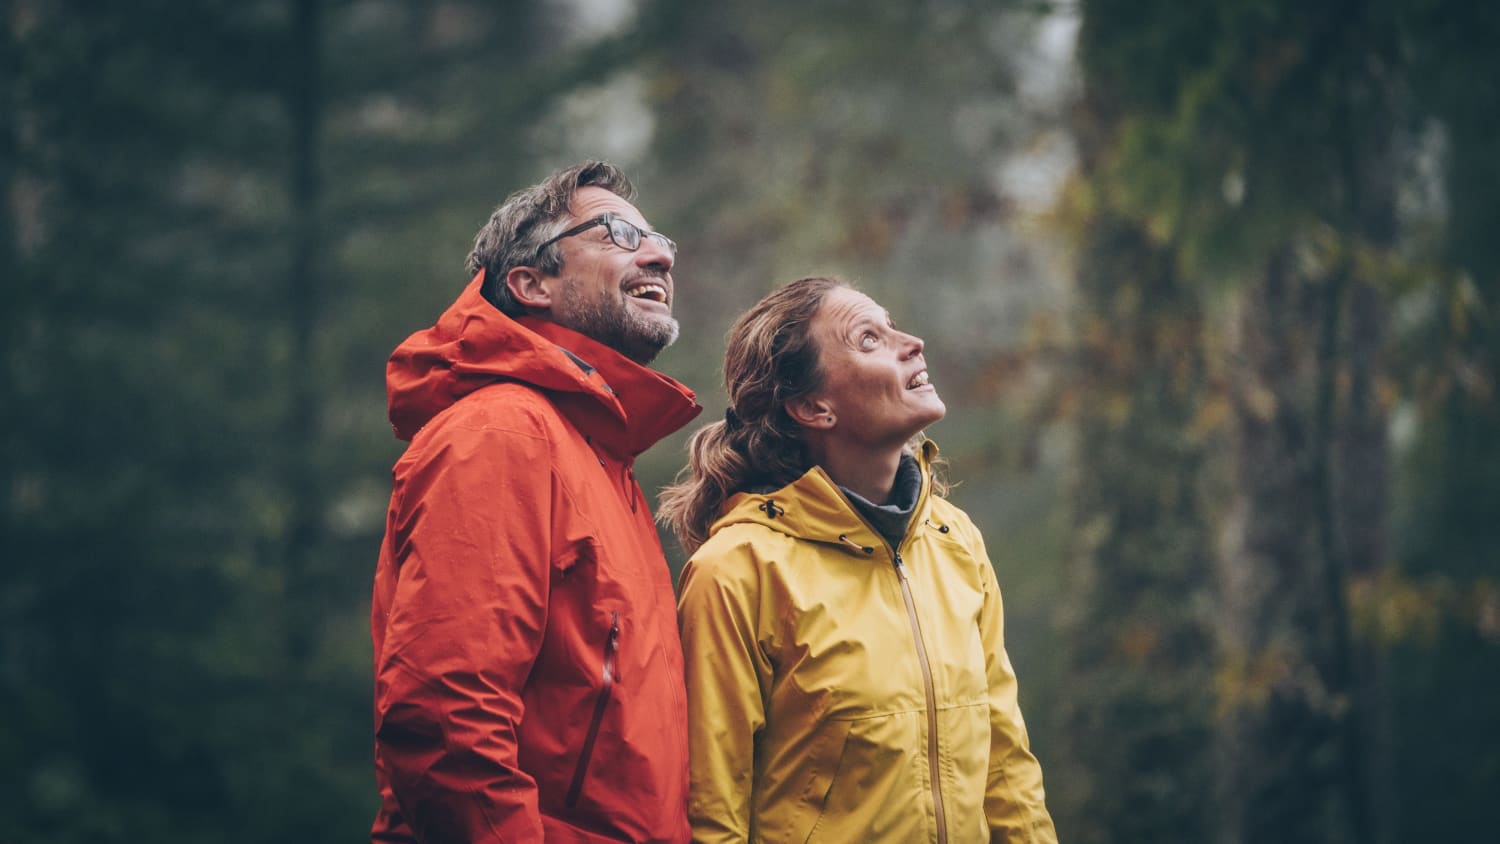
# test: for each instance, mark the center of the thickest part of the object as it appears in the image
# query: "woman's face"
(874, 376)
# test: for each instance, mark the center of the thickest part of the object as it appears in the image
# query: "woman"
(846, 669)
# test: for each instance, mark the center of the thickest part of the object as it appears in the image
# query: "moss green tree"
(1269, 150)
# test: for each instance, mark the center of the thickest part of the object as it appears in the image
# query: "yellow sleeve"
(1014, 803)
(727, 678)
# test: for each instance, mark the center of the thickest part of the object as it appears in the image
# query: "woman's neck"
(870, 475)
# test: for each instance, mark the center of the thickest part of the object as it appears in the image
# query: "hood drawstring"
(844, 538)
(940, 528)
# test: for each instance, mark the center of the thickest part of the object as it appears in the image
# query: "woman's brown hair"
(771, 359)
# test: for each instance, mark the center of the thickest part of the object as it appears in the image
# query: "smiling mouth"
(651, 291)
(918, 380)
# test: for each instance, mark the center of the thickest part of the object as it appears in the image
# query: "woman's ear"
(811, 413)
(529, 287)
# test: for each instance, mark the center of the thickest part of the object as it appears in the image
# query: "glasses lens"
(664, 241)
(624, 234)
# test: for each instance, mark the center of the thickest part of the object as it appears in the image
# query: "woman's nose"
(914, 345)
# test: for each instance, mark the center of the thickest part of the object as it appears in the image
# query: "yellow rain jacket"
(841, 690)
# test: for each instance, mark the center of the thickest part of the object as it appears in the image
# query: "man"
(528, 672)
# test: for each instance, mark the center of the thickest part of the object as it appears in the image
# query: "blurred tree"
(1441, 612)
(120, 567)
(1264, 149)
(1137, 615)
(1254, 143)
(219, 218)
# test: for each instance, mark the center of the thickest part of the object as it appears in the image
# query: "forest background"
(1206, 286)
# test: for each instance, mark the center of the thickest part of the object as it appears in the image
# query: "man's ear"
(529, 287)
(811, 413)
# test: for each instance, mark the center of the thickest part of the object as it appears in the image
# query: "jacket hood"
(813, 508)
(614, 400)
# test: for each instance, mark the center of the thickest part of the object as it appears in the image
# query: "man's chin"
(648, 339)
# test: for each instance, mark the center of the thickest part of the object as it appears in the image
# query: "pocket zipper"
(611, 646)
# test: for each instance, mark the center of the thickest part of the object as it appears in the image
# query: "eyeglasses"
(622, 233)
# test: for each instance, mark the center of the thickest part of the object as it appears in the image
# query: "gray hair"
(527, 219)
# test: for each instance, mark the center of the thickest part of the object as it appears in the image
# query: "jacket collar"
(622, 405)
(616, 402)
(813, 508)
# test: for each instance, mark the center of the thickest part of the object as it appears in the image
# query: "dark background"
(1210, 289)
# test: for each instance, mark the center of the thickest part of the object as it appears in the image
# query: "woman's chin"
(933, 408)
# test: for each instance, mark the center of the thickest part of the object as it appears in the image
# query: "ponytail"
(714, 470)
(771, 360)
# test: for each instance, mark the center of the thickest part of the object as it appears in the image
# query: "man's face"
(620, 298)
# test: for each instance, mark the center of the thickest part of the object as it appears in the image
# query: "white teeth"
(920, 380)
(649, 290)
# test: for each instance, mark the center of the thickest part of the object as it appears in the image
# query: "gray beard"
(610, 320)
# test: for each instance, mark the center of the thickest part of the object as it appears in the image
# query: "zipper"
(611, 647)
(932, 725)
(632, 488)
(939, 816)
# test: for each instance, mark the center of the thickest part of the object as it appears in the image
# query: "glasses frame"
(609, 221)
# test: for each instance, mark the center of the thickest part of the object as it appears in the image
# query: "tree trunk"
(1363, 480)
(1277, 726)
(1302, 751)
(1139, 712)
(304, 298)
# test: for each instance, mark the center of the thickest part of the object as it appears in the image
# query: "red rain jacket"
(528, 671)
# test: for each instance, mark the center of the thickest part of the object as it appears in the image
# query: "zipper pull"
(611, 648)
(632, 488)
(900, 566)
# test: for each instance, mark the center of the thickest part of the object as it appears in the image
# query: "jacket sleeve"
(727, 675)
(1015, 803)
(469, 532)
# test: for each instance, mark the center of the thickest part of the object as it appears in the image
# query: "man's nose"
(654, 255)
